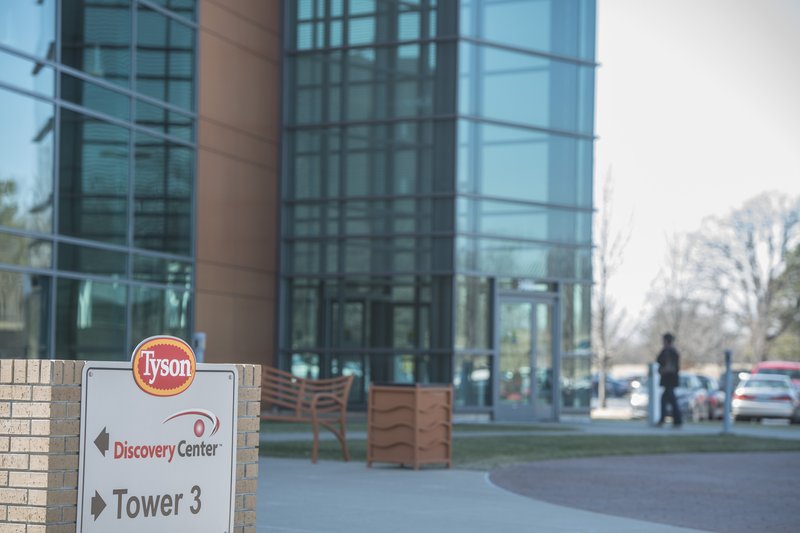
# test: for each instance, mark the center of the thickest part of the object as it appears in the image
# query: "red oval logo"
(163, 365)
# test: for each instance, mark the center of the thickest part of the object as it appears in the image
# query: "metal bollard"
(653, 398)
(726, 417)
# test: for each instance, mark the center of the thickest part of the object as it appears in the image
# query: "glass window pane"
(526, 89)
(91, 260)
(159, 270)
(403, 327)
(433, 369)
(524, 165)
(564, 27)
(402, 370)
(164, 120)
(361, 84)
(349, 329)
(360, 7)
(24, 315)
(164, 183)
(26, 74)
(29, 26)
(352, 366)
(95, 97)
(305, 365)
(93, 199)
(96, 36)
(304, 316)
(366, 21)
(90, 320)
(362, 30)
(24, 251)
(160, 312)
(26, 162)
(303, 257)
(472, 313)
(184, 8)
(522, 259)
(165, 59)
(472, 380)
(576, 318)
(576, 382)
(523, 221)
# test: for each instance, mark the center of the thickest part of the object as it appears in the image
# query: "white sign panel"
(154, 456)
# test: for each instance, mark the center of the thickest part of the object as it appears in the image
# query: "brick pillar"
(40, 440)
(247, 435)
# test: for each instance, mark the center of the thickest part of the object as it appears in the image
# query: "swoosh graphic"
(212, 418)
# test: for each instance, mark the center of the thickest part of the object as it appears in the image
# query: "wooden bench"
(319, 402)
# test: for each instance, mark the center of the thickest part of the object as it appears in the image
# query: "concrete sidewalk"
(331, 496)
(297, 496)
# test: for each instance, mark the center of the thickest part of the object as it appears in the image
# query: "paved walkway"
(731, 492)
(713, 492)
(296, 496)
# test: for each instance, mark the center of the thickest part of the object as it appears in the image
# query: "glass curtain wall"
(97, 151)
(433, 152)
(367, 211)
(524, 177)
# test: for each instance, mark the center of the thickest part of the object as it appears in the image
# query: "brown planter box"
(410, 424)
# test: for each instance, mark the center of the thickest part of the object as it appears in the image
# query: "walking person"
(669, 364)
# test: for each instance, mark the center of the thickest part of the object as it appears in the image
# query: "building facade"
(399, 190)
(97, 176)
(436, 198)
(138, 176)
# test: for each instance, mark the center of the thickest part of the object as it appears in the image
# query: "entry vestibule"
(526, 370)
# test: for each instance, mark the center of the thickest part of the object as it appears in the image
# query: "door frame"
(534, 298)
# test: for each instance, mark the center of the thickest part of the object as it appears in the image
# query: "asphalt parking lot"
(740, 492)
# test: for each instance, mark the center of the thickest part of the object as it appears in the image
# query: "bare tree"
(741, 260)
(608, 320)
(680, 307)
(674, 288)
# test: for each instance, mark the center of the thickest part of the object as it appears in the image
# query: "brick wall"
(39, 442)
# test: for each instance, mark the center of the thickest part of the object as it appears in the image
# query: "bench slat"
(305, 400)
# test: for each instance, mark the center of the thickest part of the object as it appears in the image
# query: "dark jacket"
(669, 364)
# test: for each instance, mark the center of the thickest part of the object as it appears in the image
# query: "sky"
(697, 110)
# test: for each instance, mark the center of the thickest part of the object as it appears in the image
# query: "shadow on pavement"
(715, 492)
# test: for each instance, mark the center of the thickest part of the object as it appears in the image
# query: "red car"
(791, 369)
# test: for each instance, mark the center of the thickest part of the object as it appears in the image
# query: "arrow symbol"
(97, 505)
(102, 442)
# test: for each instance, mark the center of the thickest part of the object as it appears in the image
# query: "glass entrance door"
(525, 374)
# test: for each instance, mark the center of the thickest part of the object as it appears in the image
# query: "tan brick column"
(39, 443)
(39, 440)
(248, 428)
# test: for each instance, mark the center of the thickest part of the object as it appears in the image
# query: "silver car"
(766, 396)
(690, 394)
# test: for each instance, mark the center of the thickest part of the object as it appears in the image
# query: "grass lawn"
(485, 453)
(288, 427)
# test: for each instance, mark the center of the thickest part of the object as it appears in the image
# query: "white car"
(766, 396)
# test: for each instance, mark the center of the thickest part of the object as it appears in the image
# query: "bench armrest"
(327, 395)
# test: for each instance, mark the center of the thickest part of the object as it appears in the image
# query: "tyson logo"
(163, 365)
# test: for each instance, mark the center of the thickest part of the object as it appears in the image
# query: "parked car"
(614, 388)
(715, 397)
(737, 377)
(790, 369)
(766, 396)
(632, 381)
(690, 393)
